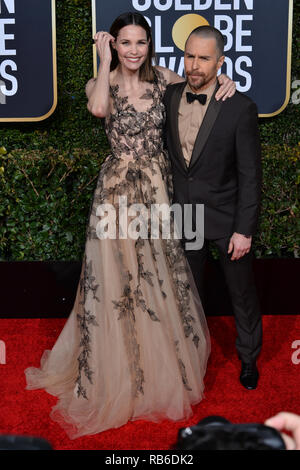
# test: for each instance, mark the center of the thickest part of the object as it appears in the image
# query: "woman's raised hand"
(102, 40)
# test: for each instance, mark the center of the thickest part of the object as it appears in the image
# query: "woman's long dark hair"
(146, 70)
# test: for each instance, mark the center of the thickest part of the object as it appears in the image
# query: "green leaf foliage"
(49, 169)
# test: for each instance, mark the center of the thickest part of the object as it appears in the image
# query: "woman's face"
(132, 47)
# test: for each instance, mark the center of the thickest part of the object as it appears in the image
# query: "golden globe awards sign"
(28, 84)
(258, 35)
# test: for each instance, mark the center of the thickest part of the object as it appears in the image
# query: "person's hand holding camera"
(287, 422)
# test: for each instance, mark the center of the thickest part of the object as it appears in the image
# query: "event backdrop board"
(28, 82)
(258, 38)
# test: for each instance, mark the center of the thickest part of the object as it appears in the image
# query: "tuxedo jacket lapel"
(174, 106)
(210, 117)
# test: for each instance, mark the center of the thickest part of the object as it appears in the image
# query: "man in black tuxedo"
(215, 153)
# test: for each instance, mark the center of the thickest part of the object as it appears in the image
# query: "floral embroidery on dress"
(182, 368)
(137, 156)
(125, 307)
(136, 343)
(85, 320)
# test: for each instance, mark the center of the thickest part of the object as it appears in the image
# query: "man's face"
(201, 62)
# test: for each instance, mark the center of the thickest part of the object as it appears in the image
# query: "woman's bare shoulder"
(169, 75)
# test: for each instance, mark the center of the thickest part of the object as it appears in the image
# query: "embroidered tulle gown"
(136, 343)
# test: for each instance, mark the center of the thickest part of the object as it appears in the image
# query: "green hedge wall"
(48, 169)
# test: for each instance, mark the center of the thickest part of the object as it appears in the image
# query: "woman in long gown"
(136, 343)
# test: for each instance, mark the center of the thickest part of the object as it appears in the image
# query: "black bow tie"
(193, 96)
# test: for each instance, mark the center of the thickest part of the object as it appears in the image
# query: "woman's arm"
(226, 90)
(97, 89)
(227, 87)
(169, 75)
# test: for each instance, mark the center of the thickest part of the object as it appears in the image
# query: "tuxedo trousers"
(240, 282)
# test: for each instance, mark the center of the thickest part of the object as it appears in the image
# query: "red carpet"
(27, 412)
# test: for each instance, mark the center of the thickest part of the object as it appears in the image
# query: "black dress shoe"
(249, 375)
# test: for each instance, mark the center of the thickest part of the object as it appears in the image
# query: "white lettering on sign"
(158, 45)
(9, 83)
(188, 5)
(224, 24)
(229, 16)
(10, 6)
(8, 64)
(6, 37)
(240, 32)
(182, 6)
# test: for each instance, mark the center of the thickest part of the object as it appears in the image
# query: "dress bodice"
(137, 133)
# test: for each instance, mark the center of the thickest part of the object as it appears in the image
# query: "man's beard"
(199, 84)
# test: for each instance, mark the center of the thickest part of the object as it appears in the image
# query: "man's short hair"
(210, 32)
